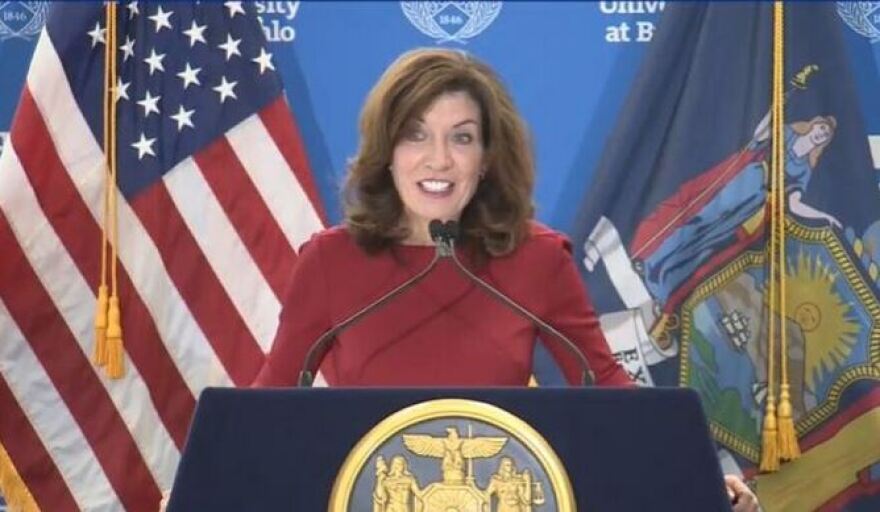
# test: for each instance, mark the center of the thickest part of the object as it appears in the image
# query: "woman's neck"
(802, 146)
(418, 235)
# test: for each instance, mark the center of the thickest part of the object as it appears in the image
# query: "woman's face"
(438, 161)
(819, 133)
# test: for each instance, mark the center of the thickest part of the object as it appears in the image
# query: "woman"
(440, 139)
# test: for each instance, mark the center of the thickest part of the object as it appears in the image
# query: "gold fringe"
(18, 497)
(787, 436)
(769, 448)
(100, 355)
(115, 353)
(778, 436)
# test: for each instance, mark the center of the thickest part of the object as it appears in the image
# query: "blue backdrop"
(568, 65)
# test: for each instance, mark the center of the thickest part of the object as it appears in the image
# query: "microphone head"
(437, 230)
(452, 230)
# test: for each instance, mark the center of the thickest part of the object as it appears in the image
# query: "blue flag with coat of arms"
(674, 231)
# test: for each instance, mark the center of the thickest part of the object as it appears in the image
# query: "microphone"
(307, 375)
(447, 234)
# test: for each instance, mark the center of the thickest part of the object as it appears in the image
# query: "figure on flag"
(721, 212)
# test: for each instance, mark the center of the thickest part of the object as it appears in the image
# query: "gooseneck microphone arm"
(450, 234)
(306, 375)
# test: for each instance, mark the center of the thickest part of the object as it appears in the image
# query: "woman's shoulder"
(334, 236)
(330, 244)
(543, 239)
(542, 248)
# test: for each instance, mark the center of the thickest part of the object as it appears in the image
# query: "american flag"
(216, 194)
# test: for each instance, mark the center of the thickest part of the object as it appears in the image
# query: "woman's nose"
(439, 157)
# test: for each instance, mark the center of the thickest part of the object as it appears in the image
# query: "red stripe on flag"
(687, 202)
(208, 301)
(74, 378)
(830, 428)
(846, 498)
(30, 457)
(81, 236)
(279, 121)
(247, 212)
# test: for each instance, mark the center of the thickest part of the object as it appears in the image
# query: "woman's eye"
(463, 138)
(414, 135)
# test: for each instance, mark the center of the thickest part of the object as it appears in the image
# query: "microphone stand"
(448, 240)
(306, 375)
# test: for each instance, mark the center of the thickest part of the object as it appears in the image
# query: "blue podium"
(288, 449)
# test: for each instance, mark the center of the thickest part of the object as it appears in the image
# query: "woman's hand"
(741, 497)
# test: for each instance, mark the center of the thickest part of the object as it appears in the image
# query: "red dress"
(445, 331)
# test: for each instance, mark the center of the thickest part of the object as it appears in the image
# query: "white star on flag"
(127, 48)
(225, 89)
(231, 46)
(264, 60)
(189, 76)
(144, 146)
(132, 9)
(161, 18)
(150, 104)
(155, 61)
(196, 34)
(183, 118)
(122, 89)
(97, 35)
(234, 8)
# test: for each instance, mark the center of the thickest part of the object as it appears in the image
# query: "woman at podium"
(440, 139)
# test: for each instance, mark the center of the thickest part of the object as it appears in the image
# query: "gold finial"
(800, 79)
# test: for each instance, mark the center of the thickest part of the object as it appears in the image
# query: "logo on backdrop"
(632, 22)
(863, 17)
(22, 19)
(451, 21)
(452, 454)
(277, 18)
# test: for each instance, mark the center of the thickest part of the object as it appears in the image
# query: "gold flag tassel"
(770, 431)
(100, 355)
(115, 351)
(18, 497)
(786, 436)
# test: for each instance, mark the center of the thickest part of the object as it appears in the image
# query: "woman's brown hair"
(496, 219)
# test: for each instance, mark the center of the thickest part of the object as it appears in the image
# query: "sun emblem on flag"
(828, 324)
(832, 337)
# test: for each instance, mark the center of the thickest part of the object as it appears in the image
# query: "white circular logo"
(22, 19)
(451, 21)
(863, 17)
